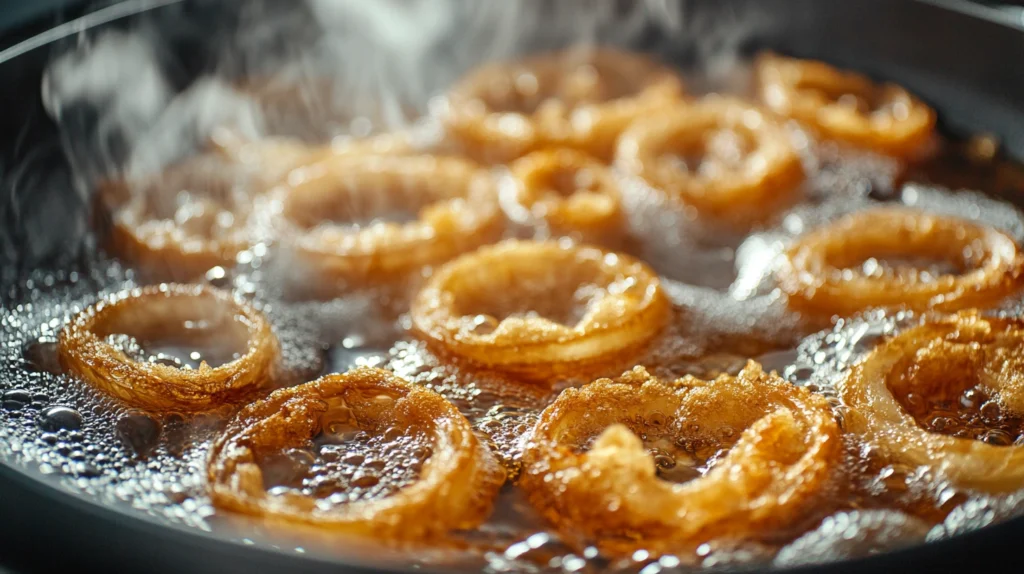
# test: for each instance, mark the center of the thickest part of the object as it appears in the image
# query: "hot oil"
(346, 464)
(964, 413)
(176, 352)
(727, 309)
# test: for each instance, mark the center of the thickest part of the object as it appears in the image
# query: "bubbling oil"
(964, 412)
(726, 309)
(345, 464)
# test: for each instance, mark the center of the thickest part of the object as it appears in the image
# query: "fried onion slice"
(178, 224)
(840, 268)
(773, 449)
(845, 105)
(564, 192)
(725, 158)
(111, 346)
(580, 98)
(538, 307)
(947, 395)
(454, 490)
(378, 218)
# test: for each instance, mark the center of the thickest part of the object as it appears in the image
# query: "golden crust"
(581, 99)
(567, 193)
(152, 312)
(541, 306)
(454, 203)
(941, 353)
(177, 224)
(748, 168)
(785, 447)
(455, 490)
(816, 274)
(845, 105)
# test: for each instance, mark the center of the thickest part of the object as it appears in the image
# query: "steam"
(132, 99)
(122, 106)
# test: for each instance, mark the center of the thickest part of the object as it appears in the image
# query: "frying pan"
(962, 58)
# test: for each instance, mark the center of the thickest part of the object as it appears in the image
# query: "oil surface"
(727, 308)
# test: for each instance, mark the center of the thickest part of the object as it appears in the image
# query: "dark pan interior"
(963, 60)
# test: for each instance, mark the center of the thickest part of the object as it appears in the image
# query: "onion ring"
(455, 489)
(566, 192)
(537, 307)
(578, 98)
(816, 274)
(190, 312)
(932, 359)
(453, 203)
(723, 157)
(784, 446)
(178, 224)
(845, 105)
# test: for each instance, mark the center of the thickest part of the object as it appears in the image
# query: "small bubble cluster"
(348, 465)
(852, 534)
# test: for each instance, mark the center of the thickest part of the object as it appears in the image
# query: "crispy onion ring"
(783, 442)
(579, 98)
(817, 276)
(177, 224)
(723, 157)
(566, 192)
(942, 356)
(538, 307)
(190, 313)
(846, 106)
(452, 202)
(455, 489)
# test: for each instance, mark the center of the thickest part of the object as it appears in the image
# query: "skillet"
(962, 58)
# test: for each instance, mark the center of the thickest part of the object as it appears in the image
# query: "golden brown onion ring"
(190, 314)
(568, 193)
(178, 224)
(783, 447)
(817, 274)
(846, 106)
(538, 307)
(726, 158)
(580, 98)
(455, 489)
(942, 356)
(452, 203)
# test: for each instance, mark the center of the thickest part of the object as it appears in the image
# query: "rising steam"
(138, 95)
(122, 103)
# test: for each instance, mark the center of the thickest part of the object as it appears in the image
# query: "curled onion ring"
(178, 224)
(783, 441)
(942, 356)
(577, 98)
(541, 306)
(455, 489)
(568, 193)
(452, 204)
(816, 272)
(724, 157)
(190, 313)
(845, 105)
